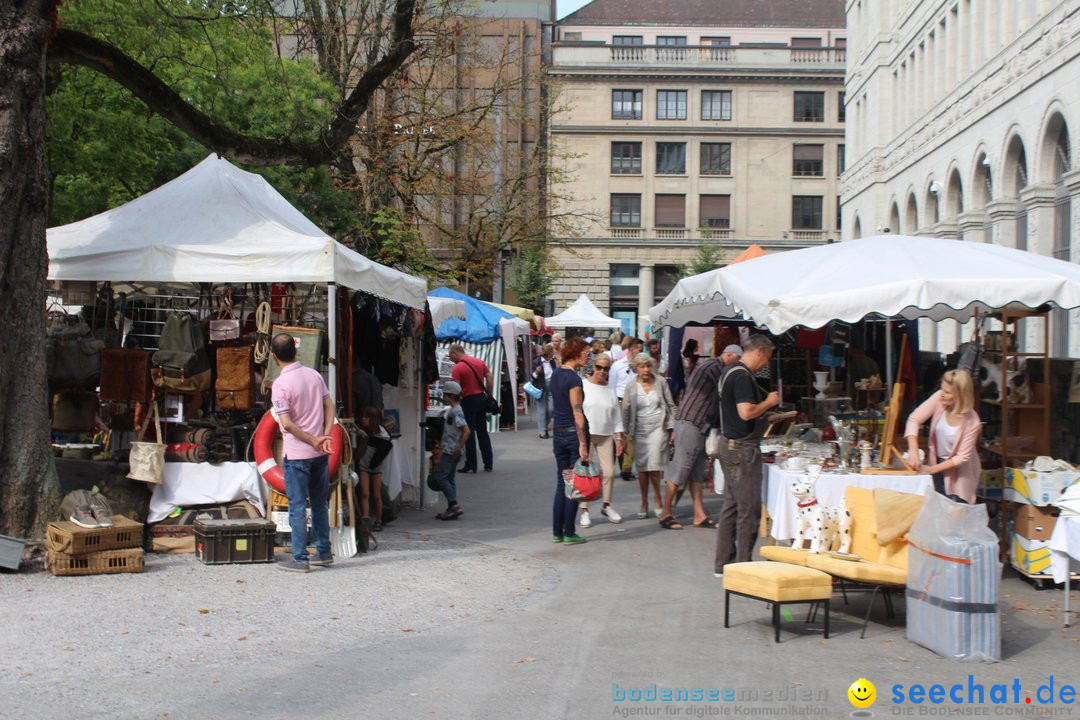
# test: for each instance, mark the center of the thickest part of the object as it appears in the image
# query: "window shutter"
(671, 211)
(715, 210)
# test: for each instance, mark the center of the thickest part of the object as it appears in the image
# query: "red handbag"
(583, 483)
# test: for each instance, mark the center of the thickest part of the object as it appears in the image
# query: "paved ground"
(479, 618)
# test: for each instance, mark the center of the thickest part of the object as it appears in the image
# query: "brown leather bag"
(235, 386)
(125, 375)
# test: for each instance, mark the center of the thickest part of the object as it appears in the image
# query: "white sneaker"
(610, 514)
(585, 521)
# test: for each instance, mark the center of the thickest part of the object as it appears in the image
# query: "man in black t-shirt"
(742, 403)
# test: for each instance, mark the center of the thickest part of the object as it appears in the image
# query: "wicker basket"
(67, 537)
(132, 560)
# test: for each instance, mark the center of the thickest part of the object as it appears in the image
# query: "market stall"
(220, 244)
(582, 313)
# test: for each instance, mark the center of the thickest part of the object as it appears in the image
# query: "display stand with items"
(199, 293)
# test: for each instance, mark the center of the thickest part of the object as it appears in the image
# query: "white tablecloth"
(397, 469)
(187, 484)
(1065, 548)
(781, 504)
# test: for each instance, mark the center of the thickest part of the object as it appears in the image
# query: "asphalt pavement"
(485, 617)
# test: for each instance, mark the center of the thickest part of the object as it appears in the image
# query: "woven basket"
(132, 560)
(67, 537)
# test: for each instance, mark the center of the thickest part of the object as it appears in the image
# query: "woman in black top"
(570, 440)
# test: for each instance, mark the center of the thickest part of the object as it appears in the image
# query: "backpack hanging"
(181, 362)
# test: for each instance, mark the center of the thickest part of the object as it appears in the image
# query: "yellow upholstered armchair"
(882, 566)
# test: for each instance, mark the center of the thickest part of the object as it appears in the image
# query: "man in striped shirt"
(698, 412)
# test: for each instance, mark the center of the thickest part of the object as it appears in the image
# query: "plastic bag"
(953, 578)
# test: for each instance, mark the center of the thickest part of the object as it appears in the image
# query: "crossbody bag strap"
(720, 393)
(483, 387)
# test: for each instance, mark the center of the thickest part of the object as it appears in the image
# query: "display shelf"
(1018, 454)
(1015, 406)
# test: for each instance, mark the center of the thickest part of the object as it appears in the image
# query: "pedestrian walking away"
(301, 404)
(476, 381)
(622, 372)
(742, 403)
(543, 367)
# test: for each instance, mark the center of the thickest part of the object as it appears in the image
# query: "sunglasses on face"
(605, 368)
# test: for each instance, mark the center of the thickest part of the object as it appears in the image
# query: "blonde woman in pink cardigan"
(955, 428)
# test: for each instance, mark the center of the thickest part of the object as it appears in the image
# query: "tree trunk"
(29, 492)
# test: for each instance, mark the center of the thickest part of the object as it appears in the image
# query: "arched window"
(894, 219)
(1057, 147)
(911, 215)
(1016, 179)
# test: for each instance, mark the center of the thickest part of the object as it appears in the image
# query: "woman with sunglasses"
(605, 431)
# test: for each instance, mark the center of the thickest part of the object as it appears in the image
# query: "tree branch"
(76, 48)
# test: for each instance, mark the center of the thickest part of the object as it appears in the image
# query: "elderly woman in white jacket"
(601, 408)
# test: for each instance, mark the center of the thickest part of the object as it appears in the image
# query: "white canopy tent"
(219, 224)
(582, 313)
(891, 275)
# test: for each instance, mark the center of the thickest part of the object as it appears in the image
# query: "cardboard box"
(1037, 488)
(1035, 523)
(1030, 556)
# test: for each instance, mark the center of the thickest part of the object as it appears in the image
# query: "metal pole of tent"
(331, 327)
(888, 356)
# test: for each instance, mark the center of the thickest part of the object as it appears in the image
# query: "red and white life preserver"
(263, 445)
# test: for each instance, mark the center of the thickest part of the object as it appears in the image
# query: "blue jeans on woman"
(308, 481)
(545, 408)
(564, 512)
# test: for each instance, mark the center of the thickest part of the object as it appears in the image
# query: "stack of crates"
(75, 550)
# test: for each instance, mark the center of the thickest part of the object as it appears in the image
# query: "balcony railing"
(807, 236)
(626, 233)
(571, 55)
(670, 233)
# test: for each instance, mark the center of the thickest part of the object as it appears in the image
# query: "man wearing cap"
(731, 355)
(696, 415)
(448, 451)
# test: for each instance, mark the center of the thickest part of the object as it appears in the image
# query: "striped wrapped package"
(952, 587)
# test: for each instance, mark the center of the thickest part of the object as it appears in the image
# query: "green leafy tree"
(708, 257)
(533, 275)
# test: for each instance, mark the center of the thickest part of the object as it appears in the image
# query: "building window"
(806, 42)
(838, 224)
(724, 41)
(716, 211)
(809, 161)
(841, 159)
(664, 279)
(670, 104)
(670, 158)
(809, 107)
(626, 104)
(715, 158)
(572, 36)
(715, 104)
(670, 211)
(625, 158)
(625, 211)
(806, 212)
(842, 114)
(623, 283)
(627, 40)
(671, 40)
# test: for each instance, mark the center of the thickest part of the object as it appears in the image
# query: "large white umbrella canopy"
(888, 275)
(583, 313)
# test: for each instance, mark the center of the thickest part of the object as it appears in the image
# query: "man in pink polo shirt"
(302, 406)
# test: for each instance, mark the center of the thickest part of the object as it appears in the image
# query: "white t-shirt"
(621, 373)
(945, 436)
(601, 409)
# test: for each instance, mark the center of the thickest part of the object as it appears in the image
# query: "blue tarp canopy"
(481, 324)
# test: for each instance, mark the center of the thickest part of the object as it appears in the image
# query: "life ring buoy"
(263, 445)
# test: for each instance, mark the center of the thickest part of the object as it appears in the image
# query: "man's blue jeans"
(309, 481)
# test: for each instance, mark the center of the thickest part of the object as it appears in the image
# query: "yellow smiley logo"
(862, 693)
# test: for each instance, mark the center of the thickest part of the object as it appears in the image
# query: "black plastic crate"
(234, 541)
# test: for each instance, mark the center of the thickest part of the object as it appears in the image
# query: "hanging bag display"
(74, 412)
(125, 375)
(583, 483)
(147, 459)
(226, 326)
(310, 349)
(181, 362)
(72, 355)
(234, 388)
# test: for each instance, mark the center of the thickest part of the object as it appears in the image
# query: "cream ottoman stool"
(779, 584)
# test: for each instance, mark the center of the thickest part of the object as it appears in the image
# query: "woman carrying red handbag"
(570, 439)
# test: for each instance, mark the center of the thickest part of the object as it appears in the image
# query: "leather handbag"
(234, 388)
(125, 375)
(226, 326)
(583, 483)
(147, 459)
(74, 412)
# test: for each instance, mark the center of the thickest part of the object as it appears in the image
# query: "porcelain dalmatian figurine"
(817, 523)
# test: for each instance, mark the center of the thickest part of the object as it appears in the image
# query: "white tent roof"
(582, 314)
(443, 309)
(891, 275)
(216, 223)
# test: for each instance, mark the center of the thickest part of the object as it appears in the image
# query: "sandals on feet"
(670, 523)
(706, 523)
